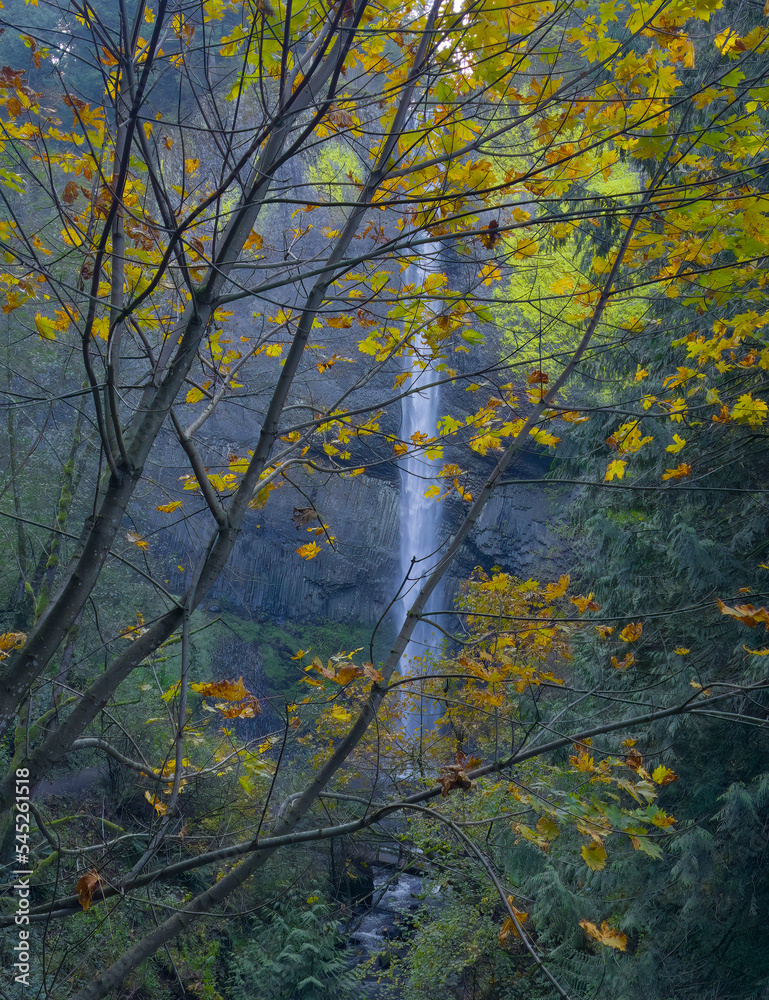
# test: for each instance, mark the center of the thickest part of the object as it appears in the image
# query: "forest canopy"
(271, 270)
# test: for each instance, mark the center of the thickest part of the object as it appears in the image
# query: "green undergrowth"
(275, 645)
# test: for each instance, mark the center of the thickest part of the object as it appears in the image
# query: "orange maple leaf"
(228, 690)
(86, 886)
(605, 935)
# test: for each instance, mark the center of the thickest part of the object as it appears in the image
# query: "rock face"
(352, 582)
(356, 580)
(516, 529)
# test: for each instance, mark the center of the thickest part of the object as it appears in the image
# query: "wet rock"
(355, 580)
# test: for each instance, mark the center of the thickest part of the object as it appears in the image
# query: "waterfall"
(419, 516)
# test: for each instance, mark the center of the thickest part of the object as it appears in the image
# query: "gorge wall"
(356, 581)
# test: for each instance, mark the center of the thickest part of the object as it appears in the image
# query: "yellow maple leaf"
(631, 632)
(543, 437)
(679, 472)
(663, 775)
(372, 673)
(678, 410)
(249, 708)
(627, 438)
(12, 640)
(489, 273)
(168, 508)
(564, 285)
(45, 327)
(746, 613)
(195, 395)
(509, 928)
(156, 804)
(526, 248)
(547, 828)
(749, 410)
(584, 604)
(582, 762)
(229, 690)
(323, 366)
(615, 468)
(677, 445)
(483, 443)
(309, 551)
(606, 935)
(726, 40)
(601, 265)
(348, 672)
(137, 540)
(554, 590)
(594, 855)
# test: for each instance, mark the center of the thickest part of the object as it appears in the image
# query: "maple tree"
(164, 206)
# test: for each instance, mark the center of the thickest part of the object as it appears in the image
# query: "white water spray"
(419, 516)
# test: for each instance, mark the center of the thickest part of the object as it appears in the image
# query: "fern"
(293, 954)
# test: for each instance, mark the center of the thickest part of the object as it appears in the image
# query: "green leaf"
(647, 846)
(247, 784)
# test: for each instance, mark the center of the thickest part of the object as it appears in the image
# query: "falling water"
(419, 516)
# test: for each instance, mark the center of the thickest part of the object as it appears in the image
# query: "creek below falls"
(380, 931)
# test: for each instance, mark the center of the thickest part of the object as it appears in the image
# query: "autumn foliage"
(287, 219)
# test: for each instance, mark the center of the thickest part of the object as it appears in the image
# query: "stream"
(381, 932)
